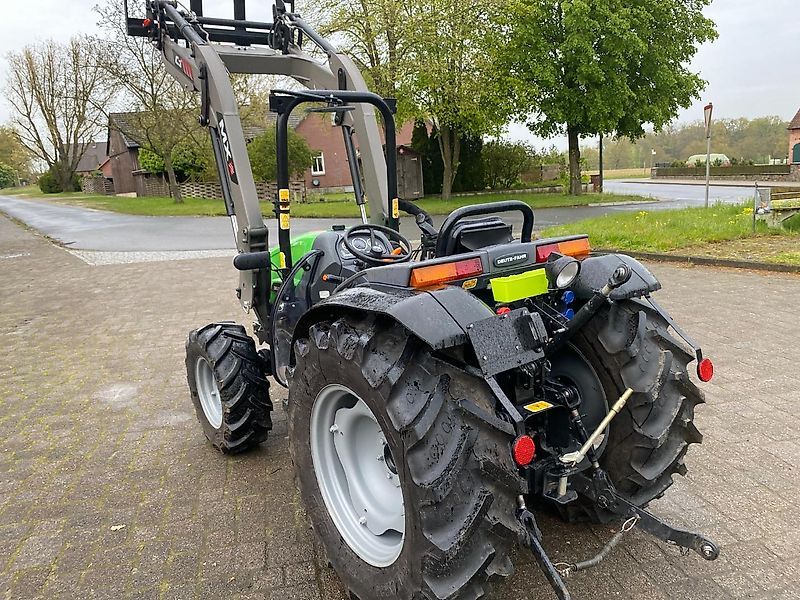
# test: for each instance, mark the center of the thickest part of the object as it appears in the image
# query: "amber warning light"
(431, 275)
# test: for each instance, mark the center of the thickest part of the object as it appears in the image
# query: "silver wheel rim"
(357, 476)
(208, 392)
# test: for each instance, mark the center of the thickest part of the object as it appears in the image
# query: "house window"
(318, 166)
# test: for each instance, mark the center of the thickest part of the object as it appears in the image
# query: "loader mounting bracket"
(599, 488)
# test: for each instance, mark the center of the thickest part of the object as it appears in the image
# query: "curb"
(707, 261)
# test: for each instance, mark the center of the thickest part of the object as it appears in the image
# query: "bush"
(504, 162)
(49, 183)
(7, 176)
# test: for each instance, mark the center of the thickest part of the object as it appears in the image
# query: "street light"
(709, 109)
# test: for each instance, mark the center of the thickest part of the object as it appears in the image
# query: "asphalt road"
(86, 229)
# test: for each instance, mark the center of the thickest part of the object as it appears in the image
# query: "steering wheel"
(380, 251)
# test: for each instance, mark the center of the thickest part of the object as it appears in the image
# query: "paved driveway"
(108, 489)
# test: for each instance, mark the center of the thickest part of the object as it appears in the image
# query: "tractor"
(439, 392)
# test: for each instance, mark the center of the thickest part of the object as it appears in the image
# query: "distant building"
(794, 140)
(329, 171)
(93, 154)
(701, 160)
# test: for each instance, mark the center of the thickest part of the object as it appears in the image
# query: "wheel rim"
(357, 476)
(208, 392)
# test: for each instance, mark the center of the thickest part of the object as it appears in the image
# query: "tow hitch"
(532, 540)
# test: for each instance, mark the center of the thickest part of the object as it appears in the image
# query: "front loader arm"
(186, 42)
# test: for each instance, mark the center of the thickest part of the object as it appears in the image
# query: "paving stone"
(97, 431)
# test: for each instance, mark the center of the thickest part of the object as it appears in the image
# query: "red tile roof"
(795, 124)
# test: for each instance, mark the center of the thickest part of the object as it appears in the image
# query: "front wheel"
(410, 491)
(229, 390)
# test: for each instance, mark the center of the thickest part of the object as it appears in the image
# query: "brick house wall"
(794, 140)
(327, 145)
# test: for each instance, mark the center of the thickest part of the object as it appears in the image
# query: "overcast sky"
(752, 69)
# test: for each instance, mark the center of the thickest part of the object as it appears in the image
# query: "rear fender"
(437, 317)
(596, 270)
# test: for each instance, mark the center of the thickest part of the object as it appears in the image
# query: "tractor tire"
(629, 344)
(456, 482)
(229, 389)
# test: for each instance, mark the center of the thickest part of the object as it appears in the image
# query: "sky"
(752, 68)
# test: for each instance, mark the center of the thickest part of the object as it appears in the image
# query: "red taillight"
(503, 310)
(544, 252)
(705, 370)
(523, 450)
(576, 247)
(443, 272)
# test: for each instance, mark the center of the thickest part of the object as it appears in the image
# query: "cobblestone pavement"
(108, 489)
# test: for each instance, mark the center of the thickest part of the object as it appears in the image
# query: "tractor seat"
(470, 234)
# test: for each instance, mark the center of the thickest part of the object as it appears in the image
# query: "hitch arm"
(531, 539)
(600, 489)
(658, 528)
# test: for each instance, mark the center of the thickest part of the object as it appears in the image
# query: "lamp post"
(709, 109)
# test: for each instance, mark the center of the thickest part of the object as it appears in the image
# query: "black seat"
(470, 234)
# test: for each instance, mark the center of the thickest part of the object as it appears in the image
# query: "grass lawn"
(722, 231)
(623, 173)
(334, 206)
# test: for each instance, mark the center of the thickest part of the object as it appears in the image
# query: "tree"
(8, 176)
(55, 92)
(14, 154)
(188, 161)
(504, 162)
(602, 66)
(161, 114)
(452, 77)
(374, 33)
(263, 155)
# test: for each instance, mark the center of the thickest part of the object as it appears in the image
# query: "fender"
(596, 270)
(437, 317)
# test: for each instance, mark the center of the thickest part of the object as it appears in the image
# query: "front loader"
(439, 393)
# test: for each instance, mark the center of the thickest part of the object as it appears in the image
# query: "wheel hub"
(208, 392)
(357, 475)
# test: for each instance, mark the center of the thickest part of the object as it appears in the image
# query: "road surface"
(86, 229)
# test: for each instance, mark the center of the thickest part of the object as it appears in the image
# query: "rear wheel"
(410, 489)
(629, 345)
(229, 389)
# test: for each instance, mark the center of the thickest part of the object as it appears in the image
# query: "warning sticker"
(538, 407)
(282, 259)
(469, 284)
(283, 195)
(284, 221)
(395, 208)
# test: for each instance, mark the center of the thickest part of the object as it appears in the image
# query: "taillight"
(705, 370)
(578, 247)
(430, 275)
(523, 450)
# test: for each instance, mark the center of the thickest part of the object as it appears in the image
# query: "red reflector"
(503, 310)
(544, 252)
(524, 450)
(705, 370)
(147, 22)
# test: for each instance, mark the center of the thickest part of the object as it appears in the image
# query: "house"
(93, 154)
(329, 171)
(794, 140)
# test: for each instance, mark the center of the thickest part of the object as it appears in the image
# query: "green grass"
(334, 206)
(722, 231)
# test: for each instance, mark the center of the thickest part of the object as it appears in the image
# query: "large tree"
(586, 67)
(435, 56)
(56, 92)
(452, 78)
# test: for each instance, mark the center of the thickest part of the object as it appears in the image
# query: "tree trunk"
(575, 187)
(63, 175)
(450, 148)
(174, 188)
